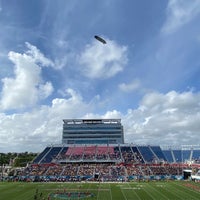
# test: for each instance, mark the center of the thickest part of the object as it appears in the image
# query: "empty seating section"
(177, 155)
(158, 152)
(51, 154)
(41, 155)
(168, 155)
(186, 154)
(146, 153)
(181, 155)
(196, 155)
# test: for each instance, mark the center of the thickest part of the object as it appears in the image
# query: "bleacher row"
(119, 153)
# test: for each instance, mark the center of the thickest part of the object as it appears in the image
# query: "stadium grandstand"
(94, 149)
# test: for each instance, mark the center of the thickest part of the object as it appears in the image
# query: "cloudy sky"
(52, 68)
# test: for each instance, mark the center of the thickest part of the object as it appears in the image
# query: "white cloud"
(163, 119)
(74, 105)
(172, 118)
(26, 87)
(32, 131)
(114, 114)
(102, 61)
(37, 56)
(134, 85)
(179, 13)
(45, 90)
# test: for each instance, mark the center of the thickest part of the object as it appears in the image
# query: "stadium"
(93, 162)
(94, 150)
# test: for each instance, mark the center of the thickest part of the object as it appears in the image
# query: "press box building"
(92, 131)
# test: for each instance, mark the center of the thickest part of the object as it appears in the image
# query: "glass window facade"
(92, 131)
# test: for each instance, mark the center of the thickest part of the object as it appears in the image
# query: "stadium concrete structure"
(94, 149)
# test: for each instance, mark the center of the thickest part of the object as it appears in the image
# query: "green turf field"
(101, 191)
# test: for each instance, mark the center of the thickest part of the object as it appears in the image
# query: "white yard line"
(178, 192)
(169, 191)
(187, 188)
(135, 192)
(110, 192)
(157, 191)
(149, 194)
(129, 187)
(98, 194)
(123, 193)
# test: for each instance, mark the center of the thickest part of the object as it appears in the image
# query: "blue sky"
(52, 68)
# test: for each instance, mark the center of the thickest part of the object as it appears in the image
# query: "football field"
(155, 190)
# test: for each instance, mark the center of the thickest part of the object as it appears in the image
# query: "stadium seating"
(147, 154)
(109, 163)
(168, 155)
(41, 155)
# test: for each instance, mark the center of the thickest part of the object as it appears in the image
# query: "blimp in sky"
(100, 39)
